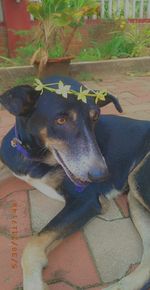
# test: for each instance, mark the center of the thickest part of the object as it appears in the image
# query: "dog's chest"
(113, 193)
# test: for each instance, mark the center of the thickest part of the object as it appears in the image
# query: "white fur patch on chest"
(113, 194)
(42, 185)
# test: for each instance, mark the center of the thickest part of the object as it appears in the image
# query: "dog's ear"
(111, 99)
(19, 100)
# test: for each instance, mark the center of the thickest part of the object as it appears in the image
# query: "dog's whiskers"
(43, 149)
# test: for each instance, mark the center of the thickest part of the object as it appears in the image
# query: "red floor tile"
(122, 203)
(12, 184)
(6, 121)
(72, 261)
(11, 272)
(15, 215)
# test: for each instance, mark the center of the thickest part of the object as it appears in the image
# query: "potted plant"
(57, 23)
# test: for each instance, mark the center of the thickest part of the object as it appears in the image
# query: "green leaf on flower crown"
(39, 86)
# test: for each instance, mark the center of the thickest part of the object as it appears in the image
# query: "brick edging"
(113, 66)
(105, 66)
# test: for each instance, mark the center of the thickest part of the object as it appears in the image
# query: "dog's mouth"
(76, 180)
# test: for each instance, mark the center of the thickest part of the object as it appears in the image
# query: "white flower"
(63, 89)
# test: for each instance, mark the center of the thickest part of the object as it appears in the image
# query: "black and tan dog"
(67, 150)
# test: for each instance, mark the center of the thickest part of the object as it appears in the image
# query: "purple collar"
(17, 143)
(80, 188)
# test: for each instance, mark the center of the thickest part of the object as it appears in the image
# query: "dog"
(69, 151)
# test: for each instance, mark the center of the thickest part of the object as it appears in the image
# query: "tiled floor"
(105, 250)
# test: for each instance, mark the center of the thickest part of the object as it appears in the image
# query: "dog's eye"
(94, 115)
(61, 121)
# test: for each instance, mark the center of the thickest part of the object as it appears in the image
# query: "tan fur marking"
(50, 159)
(73, 115)
(43, 133)
(42, 240)
(92, 113)
(54, 179)
(56, 143)
(52, 142)
(49, 142)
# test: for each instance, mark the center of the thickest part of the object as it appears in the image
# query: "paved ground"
(105, 250)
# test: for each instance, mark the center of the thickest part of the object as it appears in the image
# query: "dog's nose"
(98, 175)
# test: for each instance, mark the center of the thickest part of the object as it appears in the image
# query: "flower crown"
(66, 90)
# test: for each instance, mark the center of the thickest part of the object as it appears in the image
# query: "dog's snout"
(98, 175)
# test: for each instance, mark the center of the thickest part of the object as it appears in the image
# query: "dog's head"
(64, 125)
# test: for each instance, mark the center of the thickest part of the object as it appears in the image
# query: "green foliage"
(62, 12)
(26, 80)
(89, 54)
(24, 54)
(139, 38)
(118, 46)
(134, 41)
(57, 51)
(22, 32)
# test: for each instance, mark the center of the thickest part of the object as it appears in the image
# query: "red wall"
(3, 40)
(15, 18)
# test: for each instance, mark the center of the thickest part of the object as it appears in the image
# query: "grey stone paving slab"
(115, 245)
(43, 209)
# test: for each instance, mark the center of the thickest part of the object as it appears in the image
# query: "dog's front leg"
(73, 216)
